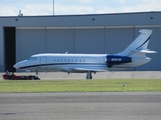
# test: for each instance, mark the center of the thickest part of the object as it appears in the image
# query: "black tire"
(88, 77)
(32, 78)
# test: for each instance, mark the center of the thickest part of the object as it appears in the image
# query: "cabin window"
(32, 58)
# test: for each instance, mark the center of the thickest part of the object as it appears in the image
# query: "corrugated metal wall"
(89, 41)
(97, 33)
(29, 42)
(154, 44)
(2, 51)
(59, 40)
(96, 41)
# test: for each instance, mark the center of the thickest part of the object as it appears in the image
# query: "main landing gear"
(37, 72)
(89, 75)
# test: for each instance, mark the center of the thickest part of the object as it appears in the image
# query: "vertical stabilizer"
(139, 45)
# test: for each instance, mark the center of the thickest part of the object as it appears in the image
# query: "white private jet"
(132, 56)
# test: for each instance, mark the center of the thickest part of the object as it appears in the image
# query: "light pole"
(53, 7)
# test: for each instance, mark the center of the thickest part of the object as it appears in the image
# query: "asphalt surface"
(99, 75)
(84, 106)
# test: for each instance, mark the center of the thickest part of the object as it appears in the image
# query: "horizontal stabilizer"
(145, 51)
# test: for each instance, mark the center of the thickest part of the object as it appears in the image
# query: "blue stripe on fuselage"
(40, 65)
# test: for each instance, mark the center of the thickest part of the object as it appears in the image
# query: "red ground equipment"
(16, 77)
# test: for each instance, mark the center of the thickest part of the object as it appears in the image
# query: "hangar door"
(10, 52)
(30, 41)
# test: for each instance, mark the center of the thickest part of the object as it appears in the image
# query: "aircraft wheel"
(89, 75)
(32, 78)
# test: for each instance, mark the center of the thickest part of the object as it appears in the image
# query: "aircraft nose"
(16, 66)
(19, 65)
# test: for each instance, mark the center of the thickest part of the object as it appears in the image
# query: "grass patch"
(110, 85)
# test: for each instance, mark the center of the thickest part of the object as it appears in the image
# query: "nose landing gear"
(89, 75)
(37, 72)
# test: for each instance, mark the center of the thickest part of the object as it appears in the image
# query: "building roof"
(85, 21)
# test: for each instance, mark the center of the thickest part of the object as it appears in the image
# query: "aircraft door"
(43, 63)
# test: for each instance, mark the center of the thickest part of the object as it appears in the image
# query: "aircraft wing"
(82, 70)
(87, 69)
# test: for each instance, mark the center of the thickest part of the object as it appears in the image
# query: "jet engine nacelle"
(116, 59)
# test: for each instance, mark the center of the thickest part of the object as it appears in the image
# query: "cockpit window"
(32, 58)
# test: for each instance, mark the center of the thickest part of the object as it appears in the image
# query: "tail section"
(139, 46)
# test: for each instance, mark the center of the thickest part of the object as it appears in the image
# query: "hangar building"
(23, 36)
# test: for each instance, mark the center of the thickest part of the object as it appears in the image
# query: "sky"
(76, 7)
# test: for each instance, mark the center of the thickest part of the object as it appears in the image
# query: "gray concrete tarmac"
(98, 75)
(84, 106)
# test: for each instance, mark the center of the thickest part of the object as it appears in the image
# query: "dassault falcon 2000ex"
(132, 56)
